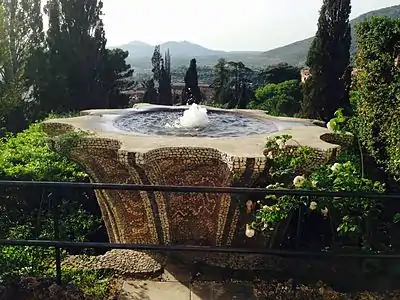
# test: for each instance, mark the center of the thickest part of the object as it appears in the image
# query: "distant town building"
(305, 73)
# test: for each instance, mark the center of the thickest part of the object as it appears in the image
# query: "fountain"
(183, 145)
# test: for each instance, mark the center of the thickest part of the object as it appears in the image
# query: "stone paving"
(176, 284)
(151, 290)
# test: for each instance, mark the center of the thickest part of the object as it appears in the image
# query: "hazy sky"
(219, 24)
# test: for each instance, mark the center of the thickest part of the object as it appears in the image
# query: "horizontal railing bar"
(195, 189)
(189, 248)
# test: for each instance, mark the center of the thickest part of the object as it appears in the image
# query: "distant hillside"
(181, 52)
(184, 48)
(296, 53)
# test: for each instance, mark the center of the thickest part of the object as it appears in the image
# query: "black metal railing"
(57, 187)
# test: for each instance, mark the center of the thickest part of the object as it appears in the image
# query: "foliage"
(164, 87)
(93, 283)
(161, 75)
(27, 213)
(31, 261)
(117, 77)
(156, 63)
(22, 260)
(336, 123)
(279, 73)
(295, 168)
(28, 156)
(68, 141)
(282, 99)
(328, 59)
(20, 36)
(151, 94)
(378, 85)
(232, 84)
(75, 71)
(191, 85)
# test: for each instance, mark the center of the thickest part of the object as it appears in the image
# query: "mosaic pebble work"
(159, 217)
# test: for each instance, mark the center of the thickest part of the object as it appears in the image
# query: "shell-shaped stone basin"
(110, 155)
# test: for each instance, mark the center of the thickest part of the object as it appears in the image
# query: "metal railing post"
(55, 200)
(297, 244)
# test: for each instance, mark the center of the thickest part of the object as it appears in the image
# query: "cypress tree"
(328, 58)
(191, 89)
(164, 88)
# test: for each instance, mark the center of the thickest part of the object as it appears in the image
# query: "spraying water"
(195, 116)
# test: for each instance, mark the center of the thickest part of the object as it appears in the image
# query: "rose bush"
(292, 166)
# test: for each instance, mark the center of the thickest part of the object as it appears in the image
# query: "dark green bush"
(27, 213)
(378, 86)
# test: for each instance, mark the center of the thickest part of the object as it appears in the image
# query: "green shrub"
(27, 213)
(354, 219)
(282, 99)
(93, 283)
(378, 91)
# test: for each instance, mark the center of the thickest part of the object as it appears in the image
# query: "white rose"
(313, 205)
(298, 181)
(280, 143)
(249, 232)
(270, 155)
(324, 212)
(335, 167)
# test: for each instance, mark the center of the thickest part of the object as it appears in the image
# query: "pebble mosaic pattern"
(160, 217)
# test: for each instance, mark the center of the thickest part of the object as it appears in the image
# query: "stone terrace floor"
(176, 283)
(208, 283)
(174, 290)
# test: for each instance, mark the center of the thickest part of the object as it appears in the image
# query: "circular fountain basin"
(188, 122)
(221, 124)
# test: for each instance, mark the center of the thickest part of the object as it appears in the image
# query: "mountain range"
(181, 52)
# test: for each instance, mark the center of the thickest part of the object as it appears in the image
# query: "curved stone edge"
(55, 129)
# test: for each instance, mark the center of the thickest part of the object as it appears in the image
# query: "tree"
(240, 82)
(279, 99)
(156, 63)
(377, 82)
(167, 63)
(80, 73)
(150, 95)
(164, 88)
(76, 56)
(21, 36)
(117, 77)
(279, 73)
(221, 83)
(328, 59)
(191, 89)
